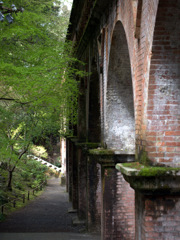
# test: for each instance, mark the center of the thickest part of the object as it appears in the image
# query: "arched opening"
(163, 110)
(119, 121)
(94, 105)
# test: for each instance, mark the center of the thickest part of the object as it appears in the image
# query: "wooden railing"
(21, 197)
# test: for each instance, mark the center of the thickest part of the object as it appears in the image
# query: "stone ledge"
(87, 145)
(76, 221)
(72, 210)
(151, 180)
(109, 157)
(104, 151)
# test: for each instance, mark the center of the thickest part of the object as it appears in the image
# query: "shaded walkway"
(46, 217)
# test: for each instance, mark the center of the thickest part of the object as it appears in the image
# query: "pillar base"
(157, 200)
(117, 198)
(151, 180)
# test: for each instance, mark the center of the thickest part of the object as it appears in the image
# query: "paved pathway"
(45, 218)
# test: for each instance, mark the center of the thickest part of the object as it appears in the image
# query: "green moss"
(150, 171)
(158, 171)
(143, 158)
(135, 165)
(101, 151)
(89, 145)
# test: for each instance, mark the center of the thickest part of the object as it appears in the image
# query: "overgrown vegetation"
(28, 175)
(152, 171)
(38, 90)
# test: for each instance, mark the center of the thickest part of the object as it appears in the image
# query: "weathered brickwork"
(74, 176)
(69, 165)
(129, 102)
(155, 55)
(119, 117)
(93, 195)
(164, 87)
(159, 217)
(118, 214)
(94, 105)
(82, 183)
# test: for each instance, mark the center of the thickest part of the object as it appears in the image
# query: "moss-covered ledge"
(151, 179)
(87, 145)
(110, 157)
(72, 138)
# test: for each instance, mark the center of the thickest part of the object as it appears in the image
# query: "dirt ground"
(48, 213)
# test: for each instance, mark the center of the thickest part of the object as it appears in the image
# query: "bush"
(58, 164)
(3, 197)
(19, 185)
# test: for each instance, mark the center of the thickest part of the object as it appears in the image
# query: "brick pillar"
(118, 216)
(70, 168)
(82, 183)
(72, 171)
(157, 201)
(117, 197)
(83, 194)
(67, 165)
(157, 217)
(93, 195)
(74, 175)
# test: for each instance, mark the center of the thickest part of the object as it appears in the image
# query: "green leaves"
(38, 87)
(34, 56)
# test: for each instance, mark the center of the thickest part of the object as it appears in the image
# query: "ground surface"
(44, 218)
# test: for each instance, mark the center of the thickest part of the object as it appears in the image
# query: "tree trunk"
(10, 180)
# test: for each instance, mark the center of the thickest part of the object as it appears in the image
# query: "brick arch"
(163, 110)
(94, 128)
(119, 119)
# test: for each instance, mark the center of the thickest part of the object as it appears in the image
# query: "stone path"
(44, 218)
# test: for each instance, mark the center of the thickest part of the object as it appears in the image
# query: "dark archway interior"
(119, 123)
(94, 105)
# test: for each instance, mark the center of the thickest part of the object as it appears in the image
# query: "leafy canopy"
(38, 91)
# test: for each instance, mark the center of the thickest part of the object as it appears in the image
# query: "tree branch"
(6, 10)
(15, 100)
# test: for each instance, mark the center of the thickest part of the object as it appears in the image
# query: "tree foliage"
(35, 60)
(38, 91)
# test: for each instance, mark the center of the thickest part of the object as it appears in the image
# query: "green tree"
(38, 91)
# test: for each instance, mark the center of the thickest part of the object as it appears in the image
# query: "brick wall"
(75, 185)
(70, 167)
(82, 183)
(163, 112)
(118, 214)
(93, 195)
(94, 105)
(139, 77)
(153, 49)
(81, 126)
(67, 165)
(158, 217)
(119, 119)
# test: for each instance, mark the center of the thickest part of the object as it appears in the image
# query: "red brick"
(172, 133)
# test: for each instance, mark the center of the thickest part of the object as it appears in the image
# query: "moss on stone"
(88, 144)
(101, 151)
(152, 171)
(135, 165)
(158, 171)
(143, 158)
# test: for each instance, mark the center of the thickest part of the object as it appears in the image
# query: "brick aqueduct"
(128, 112)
